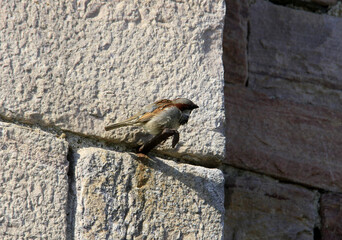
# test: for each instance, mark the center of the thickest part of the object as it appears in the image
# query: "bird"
(160, 115)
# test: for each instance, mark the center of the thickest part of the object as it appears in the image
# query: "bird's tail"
(118, 125)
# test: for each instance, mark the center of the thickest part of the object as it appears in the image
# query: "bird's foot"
(162, 137)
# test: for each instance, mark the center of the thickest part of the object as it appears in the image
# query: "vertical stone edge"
(72, 195)
(331, 216)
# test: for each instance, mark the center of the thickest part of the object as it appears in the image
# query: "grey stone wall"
(260, 158)
(68, 68)
(77, 65)
(284, 119)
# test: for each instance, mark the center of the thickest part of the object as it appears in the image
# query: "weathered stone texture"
(295, 55)
(78, 64)
(288, 121)
(336, 10)
(33, 184)
(293, 141)
(235, 41)
(258, 207)
(331, 214)
(121, 197)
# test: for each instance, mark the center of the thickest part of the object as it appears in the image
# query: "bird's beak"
(195, 106)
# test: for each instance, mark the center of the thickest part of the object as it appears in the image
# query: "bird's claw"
(160, 138)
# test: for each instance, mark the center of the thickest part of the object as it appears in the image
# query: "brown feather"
(163, 101)
(147, 116)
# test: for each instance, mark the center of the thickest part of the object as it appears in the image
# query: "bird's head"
(186, 106)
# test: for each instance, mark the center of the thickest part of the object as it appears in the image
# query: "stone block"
(258, 207)
(78, 65)
(331, 215)
(288, 140)
(294, 55)
(33, 184)
(122, 197)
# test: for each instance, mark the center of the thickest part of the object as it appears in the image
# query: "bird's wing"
(153, 106)
(153, 109)
(143, 116)
(146, 113)
(150, 108)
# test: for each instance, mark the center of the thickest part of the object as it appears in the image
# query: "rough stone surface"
(310, 5)
(336, 10)
(120, 197)
(331, 214)
(235, 41)
(258, 207)
(78, 64)
(293, 141)
(295, 55)
(33, 184)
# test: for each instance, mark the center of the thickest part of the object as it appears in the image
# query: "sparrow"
(160, 115)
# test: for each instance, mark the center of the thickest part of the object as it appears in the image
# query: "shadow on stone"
(206, 187)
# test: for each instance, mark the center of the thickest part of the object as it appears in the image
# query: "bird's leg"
(169, 133)
(160, 138)
(175, 139)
